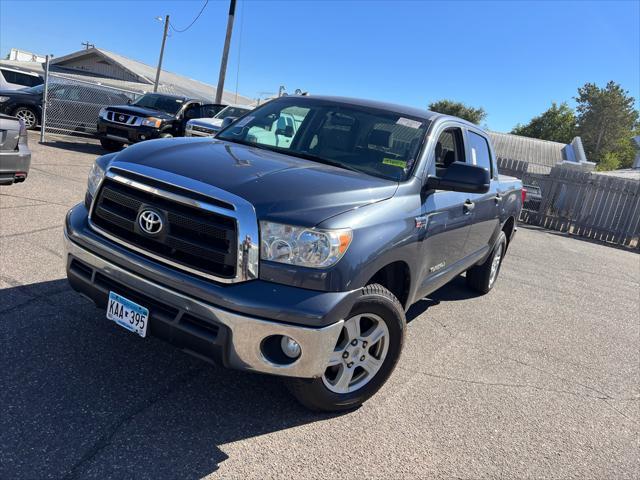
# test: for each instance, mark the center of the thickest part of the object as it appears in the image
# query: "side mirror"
(129, 101)
(227, 121)
(462, 177)
(287, 131)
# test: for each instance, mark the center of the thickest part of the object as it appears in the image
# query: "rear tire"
(482, 278)
(28, 115)
(365, 355)
(111, 145)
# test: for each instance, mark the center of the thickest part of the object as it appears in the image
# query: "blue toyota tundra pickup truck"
(294, 248)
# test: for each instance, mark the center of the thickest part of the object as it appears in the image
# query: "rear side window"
(21, 78)
(479, 151)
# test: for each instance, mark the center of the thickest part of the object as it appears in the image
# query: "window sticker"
(407, 122)
(394, 162)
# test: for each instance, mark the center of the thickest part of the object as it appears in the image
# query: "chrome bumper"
(243, 350)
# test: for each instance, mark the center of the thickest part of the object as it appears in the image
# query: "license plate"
(128, 314)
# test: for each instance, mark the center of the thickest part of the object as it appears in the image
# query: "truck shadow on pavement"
(455, 290)
(84, 398)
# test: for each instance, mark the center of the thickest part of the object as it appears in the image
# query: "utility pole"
(225, 52)
(164, 40)
(87, 45)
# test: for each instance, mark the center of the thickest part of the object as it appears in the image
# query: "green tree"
(606, 122)
(609, 161)
(459, 109)
(557, 124)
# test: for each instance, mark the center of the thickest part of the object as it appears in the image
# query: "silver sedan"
(15, 156)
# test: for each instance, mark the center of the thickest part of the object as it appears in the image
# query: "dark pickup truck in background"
(153, 115)
(294, 251)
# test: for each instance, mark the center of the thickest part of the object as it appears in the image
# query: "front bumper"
(119, 132)
(14, 165)
(205, 330)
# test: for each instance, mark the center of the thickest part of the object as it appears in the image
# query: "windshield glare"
(162, 103)
(376, 142)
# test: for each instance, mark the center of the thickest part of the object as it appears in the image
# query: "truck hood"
(140, 111)
(207, 122)
(282, 188)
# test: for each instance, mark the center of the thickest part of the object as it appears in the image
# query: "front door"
(447, 218)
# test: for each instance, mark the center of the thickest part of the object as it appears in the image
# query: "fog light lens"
(290, 347)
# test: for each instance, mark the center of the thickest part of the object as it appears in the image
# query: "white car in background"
(14, 79)
(207, 127)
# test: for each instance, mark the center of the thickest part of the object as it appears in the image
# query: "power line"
(194, 20)
(239, 49)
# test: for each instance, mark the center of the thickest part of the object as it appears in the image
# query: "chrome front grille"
(213, 237)
(123, 118)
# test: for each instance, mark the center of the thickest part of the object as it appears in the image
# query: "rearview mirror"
(462, 177)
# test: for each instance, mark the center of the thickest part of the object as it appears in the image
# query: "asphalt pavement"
(538, 379)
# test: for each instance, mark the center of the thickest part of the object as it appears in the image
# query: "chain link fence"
(73, 105)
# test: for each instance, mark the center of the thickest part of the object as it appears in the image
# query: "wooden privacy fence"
(599, 207)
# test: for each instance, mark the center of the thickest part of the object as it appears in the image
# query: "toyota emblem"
(150, 222)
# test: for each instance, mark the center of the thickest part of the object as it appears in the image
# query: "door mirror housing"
(287, 131)
(227, 121)
(461, 177)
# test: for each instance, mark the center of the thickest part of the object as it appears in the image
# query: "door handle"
(498, 198)
(468, 206)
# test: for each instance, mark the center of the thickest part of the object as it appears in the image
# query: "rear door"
(486, 205)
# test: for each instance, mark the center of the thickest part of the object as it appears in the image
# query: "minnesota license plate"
(128, 314)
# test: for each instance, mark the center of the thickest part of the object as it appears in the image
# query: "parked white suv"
(13, 79)
(207, 127)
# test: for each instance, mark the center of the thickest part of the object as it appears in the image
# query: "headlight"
(4, 99)
(306, 247)
(95, 177)
(102, 113)
(151, 122)
(189, 126)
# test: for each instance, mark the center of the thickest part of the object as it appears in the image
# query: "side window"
(449, 149)
(21, 78)
(192, 111)
(479, 151)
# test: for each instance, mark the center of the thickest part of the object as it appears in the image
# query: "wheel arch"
(395, 277)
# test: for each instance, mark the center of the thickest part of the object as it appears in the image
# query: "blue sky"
(512, 58)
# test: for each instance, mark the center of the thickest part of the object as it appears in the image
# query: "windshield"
(377, 142)
(36, 89)
(232, 112)
(162, 103)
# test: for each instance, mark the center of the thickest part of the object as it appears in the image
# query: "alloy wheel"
(359, 353)
(495, 264)
(27, 116)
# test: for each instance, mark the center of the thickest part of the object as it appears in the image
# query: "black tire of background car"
(34, 125)
(313, 394)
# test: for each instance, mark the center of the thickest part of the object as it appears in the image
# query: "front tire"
(483, 277)
(365, 355)
(28, 115)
